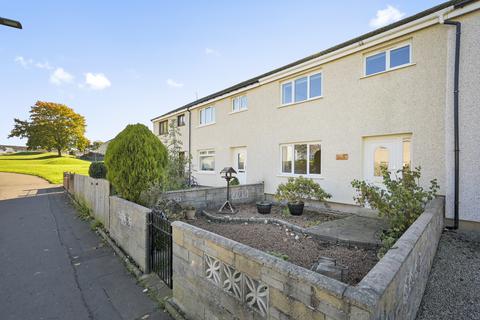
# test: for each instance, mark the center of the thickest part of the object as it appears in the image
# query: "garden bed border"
(393, 289)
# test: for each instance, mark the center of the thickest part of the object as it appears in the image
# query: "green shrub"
(401, 200)
(135, 160)
(97, 170)
(298, 189)
(234, 182)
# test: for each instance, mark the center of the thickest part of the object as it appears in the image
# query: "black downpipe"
(458, 26)
(189, 147)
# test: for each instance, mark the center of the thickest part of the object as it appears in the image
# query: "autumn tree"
(52, 126)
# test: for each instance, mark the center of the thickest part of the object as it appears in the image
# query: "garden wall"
(129, 229)
(202, 198)
(246, 283)
(95, 194)
(125, 221)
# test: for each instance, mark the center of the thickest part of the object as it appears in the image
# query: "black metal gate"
(161, 247)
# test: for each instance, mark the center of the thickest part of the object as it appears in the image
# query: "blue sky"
(121, 62)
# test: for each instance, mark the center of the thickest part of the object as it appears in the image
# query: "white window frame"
(209, 153)
(387, 58)
(292, 172)
(200, 116)
(292, 82)
(239, 99)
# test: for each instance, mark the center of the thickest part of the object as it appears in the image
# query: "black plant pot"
(264, 207)
(295, 208)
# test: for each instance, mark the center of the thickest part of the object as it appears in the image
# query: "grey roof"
(455, 3)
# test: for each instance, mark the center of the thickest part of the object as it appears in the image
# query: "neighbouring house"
(388, 97)
(12, 149)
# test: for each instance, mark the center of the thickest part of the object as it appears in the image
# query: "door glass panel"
(240, 161)
(300, 159)
(287, 159)
(314, 159)
(381, 160)
(406, 154)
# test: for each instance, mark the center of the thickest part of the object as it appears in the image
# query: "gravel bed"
(309, 218)
(300, 249)
(453, 288)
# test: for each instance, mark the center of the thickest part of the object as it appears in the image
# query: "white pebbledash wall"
(469, 117)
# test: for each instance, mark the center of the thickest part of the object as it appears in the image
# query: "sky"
(123, 62)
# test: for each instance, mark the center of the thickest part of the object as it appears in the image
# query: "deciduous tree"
(52, 126)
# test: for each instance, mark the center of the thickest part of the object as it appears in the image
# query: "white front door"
(390, 152)
(240, 164)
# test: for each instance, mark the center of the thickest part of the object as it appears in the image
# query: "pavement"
(53, 266)
(354, 229)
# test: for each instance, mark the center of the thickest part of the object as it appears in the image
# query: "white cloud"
(386, 16)
(213, 52)
(43, 65)
(97, 81)
(60, 76)
(23, 62)
(174, 84)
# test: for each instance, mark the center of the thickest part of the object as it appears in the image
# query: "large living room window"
(386, 60)
(239, 103)
(302, 89)
(301, 158)
(206, 160)
(207, 115)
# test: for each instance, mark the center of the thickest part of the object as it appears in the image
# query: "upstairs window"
(163, 127)
(387, 60)
(302, 89)
(239, 103)
(207, 116)
(181, 120)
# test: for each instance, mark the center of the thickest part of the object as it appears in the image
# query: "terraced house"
(394, 96)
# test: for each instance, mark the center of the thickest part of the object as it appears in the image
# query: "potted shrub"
(189, 212)
(295, 190)
(264, 207)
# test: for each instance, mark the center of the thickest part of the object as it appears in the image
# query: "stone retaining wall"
(206, 197)
(217, 278)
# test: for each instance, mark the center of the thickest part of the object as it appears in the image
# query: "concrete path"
(52, 266)
(353, 229)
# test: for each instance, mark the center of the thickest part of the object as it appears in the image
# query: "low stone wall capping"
(207, 197)
(215, 277)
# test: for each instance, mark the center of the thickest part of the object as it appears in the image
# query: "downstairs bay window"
(301, 159)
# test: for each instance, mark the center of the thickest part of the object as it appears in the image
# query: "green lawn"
(45, 165)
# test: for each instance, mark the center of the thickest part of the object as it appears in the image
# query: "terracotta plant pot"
(295, 208)
(190, 214)
(264, 207)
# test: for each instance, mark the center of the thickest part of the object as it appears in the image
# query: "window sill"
(310, 176)
(240, 111)
(389, 70)
(299, 102)
(206, 172)
(206, 125)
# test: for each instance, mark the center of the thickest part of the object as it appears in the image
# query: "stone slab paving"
(453, 288)
(353, 229)
(54, 267)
